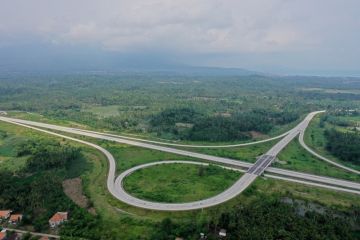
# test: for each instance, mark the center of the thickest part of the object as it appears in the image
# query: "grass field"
(8, 159)
(41, 118)
(246, 153)
(294, 157)
(127, 156)
(315, 138)
(177, 183)
(104, 111)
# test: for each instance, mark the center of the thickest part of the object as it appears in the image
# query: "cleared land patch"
(104, 111)
(73, 189)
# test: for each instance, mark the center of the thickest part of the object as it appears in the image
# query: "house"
(222, 233)
(3, 234)
(15, 218)
(4, 214)
(58, 218)
(44, 238)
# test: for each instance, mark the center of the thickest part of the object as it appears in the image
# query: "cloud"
(200, 26)
(203, 27)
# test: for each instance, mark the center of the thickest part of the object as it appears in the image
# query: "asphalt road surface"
(253, 170)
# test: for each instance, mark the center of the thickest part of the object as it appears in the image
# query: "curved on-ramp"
(224, 196)
(307, 148)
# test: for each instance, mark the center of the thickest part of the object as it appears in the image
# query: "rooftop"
(59, 216)
(4, 213)
(2, 235)
(15, 217)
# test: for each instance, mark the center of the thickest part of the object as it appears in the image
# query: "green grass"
(315, 138)
(8, 159)
(12, 164)
(353, 119)
(246, 153)
(294, 157)
(329, 198)
(41, 118)
(330, 90)
(177, 183)
(104, 111)
(127, 156)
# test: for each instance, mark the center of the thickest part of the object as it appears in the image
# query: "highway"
(265, 161)
(253, 170)
(261, 164)
(303, 144)
(192, 145)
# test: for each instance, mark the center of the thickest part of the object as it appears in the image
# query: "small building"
(44, 238)
(15, 218)
(58, 219)
(3, 113)
(222, 233)
(4, 214)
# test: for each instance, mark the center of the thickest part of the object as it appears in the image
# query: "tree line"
(45, 154)
(344, 145)
(266, 218)
(202, 127)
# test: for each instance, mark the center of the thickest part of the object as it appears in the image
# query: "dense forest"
(231, 105)
(188, 124)
(342, 134)
(263, 219)
(344, 145)
(44, 155)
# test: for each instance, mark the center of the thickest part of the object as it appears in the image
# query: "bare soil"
(73, 189)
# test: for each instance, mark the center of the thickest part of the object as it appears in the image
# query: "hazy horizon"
(273, 36)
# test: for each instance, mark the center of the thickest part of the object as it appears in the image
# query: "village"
(9, 222)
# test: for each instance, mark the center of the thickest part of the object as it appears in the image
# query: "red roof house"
(3, 235)
(4, 214)
(15, 218)
(58, 218)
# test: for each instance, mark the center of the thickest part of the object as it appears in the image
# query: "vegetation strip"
(303, 144)
(34, 233)
(192, 145)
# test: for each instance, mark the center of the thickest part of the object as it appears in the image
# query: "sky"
(318, 37)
